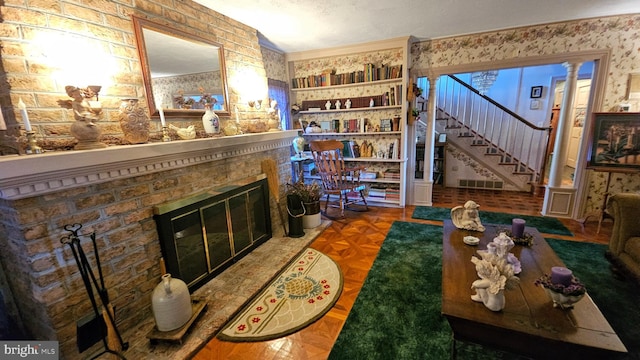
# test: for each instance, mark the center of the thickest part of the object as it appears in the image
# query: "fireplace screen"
(202, 235)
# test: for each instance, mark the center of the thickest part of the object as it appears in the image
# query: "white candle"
(237, 115)
(25, 116)
(3, 125)
(161, 111)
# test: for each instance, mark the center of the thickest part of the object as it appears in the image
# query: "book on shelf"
(385, 125)
(378, 191)
(392, 174)
(351, 125)
(368, 175)
(346, 150)
(392, 193)
(395, 153)
(369, 73)
(355, 149)
(335, 125)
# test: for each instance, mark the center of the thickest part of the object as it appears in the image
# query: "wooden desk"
(529, 324)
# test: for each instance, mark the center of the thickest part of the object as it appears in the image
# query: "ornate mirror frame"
(140, 26)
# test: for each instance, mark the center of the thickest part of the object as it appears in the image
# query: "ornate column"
(423, 188)
(558, 200)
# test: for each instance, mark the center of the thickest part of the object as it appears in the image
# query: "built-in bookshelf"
(358, 95)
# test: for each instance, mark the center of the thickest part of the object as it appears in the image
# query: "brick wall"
(105, 27)
(40, 271)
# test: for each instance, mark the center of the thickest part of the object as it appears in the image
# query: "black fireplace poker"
(90, 282)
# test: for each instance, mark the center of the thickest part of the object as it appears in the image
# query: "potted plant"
(310, 196)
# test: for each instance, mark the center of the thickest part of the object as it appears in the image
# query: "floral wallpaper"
(619, 34)
(168, 87)
(274, 64)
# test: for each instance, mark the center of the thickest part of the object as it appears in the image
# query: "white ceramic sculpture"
(467, 217)
(184, 133)
(496, 273)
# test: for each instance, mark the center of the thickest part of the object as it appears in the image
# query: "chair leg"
(326, 204)
(342, 206)
(364, 200)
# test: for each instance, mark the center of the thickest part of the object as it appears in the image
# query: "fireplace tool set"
(103, 325)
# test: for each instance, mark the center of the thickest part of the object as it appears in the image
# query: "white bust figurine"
(338, 104)
(347, 104)
(327, 105)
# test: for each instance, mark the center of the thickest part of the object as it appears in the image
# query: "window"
(279, 91)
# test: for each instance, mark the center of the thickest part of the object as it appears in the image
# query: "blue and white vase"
(210, 121)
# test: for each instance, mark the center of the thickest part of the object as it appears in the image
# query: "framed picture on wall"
(615, 142)
(633, 87)
(536, 92)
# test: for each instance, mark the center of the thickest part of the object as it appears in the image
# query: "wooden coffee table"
(529, 324)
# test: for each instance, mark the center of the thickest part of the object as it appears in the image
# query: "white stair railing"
(490, 124)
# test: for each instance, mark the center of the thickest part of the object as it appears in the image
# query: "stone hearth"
(226, 294)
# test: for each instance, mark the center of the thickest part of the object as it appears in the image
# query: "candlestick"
(162, 119)
(25, 116)
(32, 146)
(561, 275)
(517, 228)
(165, 134)
(3, 125)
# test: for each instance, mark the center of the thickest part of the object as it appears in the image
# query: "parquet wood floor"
(353, 243)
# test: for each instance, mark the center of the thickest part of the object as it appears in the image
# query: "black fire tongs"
(90, 282)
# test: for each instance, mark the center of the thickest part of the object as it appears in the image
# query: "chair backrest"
(329, 160)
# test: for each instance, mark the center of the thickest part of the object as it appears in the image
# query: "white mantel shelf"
(23, 176)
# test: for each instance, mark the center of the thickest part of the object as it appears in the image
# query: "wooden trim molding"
(23, 176)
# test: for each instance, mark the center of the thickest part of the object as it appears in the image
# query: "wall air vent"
(481, 184)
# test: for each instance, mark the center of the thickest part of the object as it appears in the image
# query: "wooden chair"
(337, 179)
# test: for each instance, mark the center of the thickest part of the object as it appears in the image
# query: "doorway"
(577, 116)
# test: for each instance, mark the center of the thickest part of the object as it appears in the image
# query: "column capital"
(572, 66)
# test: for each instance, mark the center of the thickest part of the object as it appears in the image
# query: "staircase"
(500, 140)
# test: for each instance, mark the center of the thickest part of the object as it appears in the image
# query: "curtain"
(279, 91)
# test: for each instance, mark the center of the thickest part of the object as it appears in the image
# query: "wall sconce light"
(257, 103)
(93, 90)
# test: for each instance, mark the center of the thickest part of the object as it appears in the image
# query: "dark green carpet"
(547, 225)
(397, 313)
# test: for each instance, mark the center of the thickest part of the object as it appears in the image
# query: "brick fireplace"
(112, 192)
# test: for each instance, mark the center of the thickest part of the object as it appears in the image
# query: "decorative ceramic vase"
(134, 122)
(210, 121)
(171, 303)
(312, 217)
(561, 300)
(298, 145)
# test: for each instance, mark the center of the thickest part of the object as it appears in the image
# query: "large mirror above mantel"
(178, 68)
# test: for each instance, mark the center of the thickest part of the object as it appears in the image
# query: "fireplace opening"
(202, 235)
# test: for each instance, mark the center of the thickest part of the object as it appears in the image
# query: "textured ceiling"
(299, 25)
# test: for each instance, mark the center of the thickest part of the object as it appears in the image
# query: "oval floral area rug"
(304, 291)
